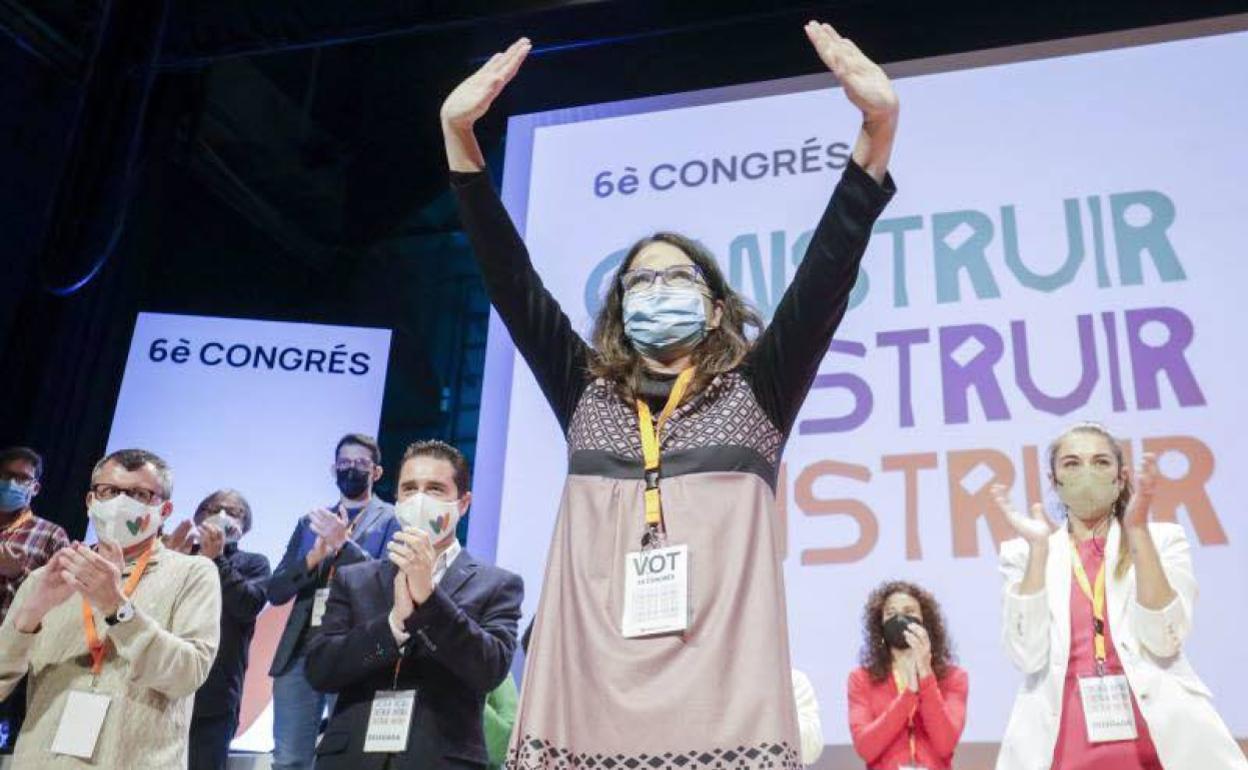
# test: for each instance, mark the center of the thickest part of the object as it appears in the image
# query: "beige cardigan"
(154, 664)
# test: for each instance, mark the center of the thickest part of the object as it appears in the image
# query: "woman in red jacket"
(907, 703)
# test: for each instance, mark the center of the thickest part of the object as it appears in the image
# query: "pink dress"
(1073, 751)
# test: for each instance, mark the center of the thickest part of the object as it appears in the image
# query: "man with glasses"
(26, 543)
(116, 639)
(355, 529)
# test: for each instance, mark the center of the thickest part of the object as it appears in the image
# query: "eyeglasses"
(235, 511)
(673, 277)
(138, 494)
(362, 463)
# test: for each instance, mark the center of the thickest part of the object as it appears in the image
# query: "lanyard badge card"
(390, 719)
(321, 598)
(82, 719)
(1107, 708)
(656, 578)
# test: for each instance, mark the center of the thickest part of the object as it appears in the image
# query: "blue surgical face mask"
(661, 320)
(14, 495)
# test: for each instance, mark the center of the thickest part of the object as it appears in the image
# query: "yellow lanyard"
(94, 643)
(1097, 597)
(650, 435)
(901, 688)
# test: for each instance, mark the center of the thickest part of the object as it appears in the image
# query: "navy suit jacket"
(292, 580)
(462, 640)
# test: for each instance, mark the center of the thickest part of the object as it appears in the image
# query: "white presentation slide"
(255, 406)
(1067, 244)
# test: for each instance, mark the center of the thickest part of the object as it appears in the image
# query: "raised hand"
(182, 539)
(211, 541)
(319, 552)
(1153, 590)
(51, 590)
(869, 89)
(412, 552)
(1145, 479)
(329, 526)
(864, 82)
(921, 644)
(905, 664)
(97, 576)
(404, 606)
(472, 98)
(1035, 529)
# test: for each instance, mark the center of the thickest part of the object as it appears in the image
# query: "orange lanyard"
(94, 643)
(19, 521)
(650, 436)
(901, 689)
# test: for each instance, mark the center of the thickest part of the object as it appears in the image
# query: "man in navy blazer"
(430, 621)
(355, 530)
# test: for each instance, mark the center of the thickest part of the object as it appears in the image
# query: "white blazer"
(1035, 630)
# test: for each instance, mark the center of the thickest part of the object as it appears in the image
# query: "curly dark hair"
(876, 657)
(723, 349)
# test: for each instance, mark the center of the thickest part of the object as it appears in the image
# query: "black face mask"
(352, 482)
(895, 631)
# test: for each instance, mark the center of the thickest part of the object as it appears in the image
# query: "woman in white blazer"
(1096, 612)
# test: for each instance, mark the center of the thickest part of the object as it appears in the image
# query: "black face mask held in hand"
(352, 482)
(895, 631)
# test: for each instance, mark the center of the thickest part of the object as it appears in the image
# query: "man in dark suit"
(431, 627)
(220, 521)
(355, 530)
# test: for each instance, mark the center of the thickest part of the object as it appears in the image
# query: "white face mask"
(123, 520)
(226, 523)
(1087, 491)
(437, 517)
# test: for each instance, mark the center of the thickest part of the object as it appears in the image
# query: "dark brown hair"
(722, 350)
(359, 439)
(134, 459)
(442, 451)
(24, 454)
(1119, 507)
(876, 656)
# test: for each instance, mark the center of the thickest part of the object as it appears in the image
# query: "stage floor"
(971, 756)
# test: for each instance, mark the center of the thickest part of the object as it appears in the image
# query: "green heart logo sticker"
(138, 525)
(439, 524)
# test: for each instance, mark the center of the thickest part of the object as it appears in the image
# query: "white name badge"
(656, 591)
(1107, 708)
(390, 721)
(318, 606)
(80, 724)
